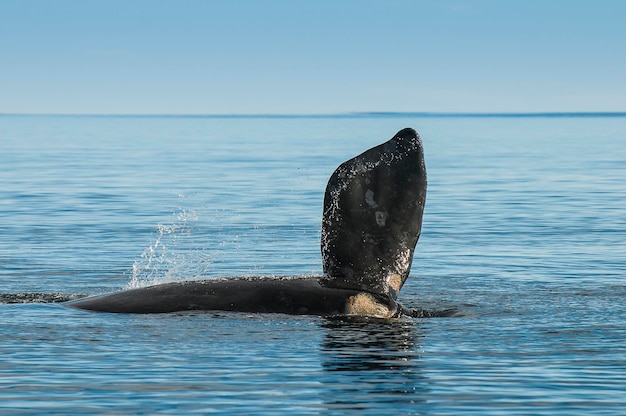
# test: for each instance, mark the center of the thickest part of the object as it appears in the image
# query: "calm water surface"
(524, 238)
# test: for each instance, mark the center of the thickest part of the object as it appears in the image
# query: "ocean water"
(524, 239)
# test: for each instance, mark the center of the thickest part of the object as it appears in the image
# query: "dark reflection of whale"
(371, 222)
(373, 365)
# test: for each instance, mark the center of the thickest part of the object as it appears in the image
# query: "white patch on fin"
(364, 304)
(395, 282)
(369, 198)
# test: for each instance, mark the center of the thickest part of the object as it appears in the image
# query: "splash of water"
(169, 258)
(54, 297)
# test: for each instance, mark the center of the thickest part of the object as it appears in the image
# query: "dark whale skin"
(299, 296)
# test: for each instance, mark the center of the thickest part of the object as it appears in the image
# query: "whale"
(371, 223)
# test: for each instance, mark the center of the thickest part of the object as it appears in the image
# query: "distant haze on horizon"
(311, 57)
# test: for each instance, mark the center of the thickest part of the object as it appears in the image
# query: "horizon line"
(391, 114)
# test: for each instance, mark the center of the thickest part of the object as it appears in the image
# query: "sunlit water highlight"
(523, 238)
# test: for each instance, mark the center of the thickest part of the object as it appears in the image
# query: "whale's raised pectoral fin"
(372, 217)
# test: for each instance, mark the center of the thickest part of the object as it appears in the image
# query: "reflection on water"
(371, 364)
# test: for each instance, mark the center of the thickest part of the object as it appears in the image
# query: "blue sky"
(322, 56)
